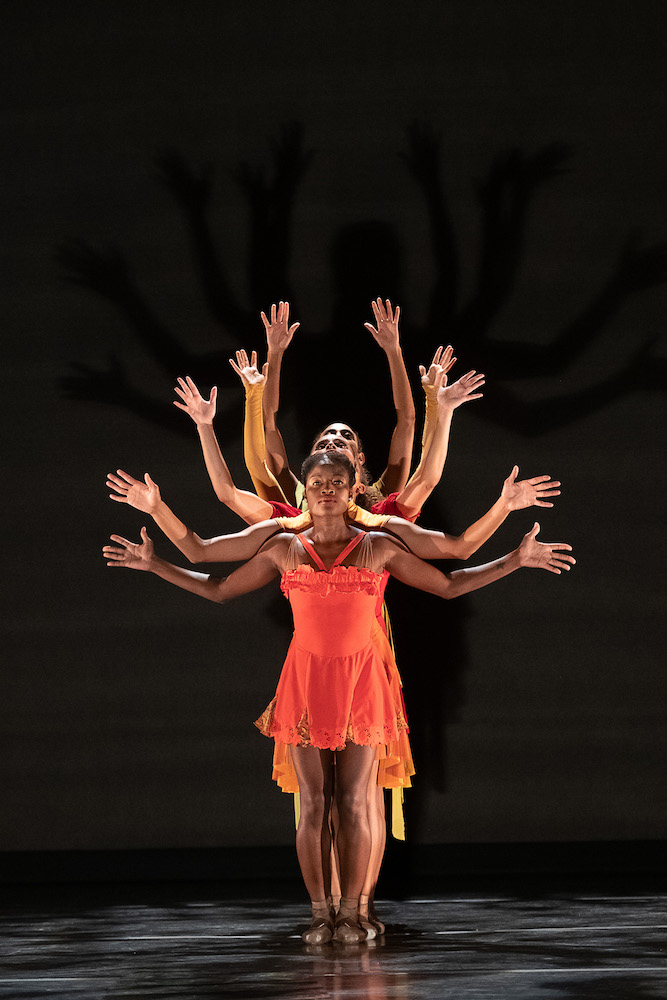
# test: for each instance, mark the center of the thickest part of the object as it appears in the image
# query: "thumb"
(513, 474)
(265, 369)
(144, 534)
(534, 530)
(214, 394)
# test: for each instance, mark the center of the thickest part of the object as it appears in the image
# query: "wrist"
(158, 510)
(502, 503)
(152, 562)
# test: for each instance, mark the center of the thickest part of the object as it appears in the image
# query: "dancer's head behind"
(341, 438)
(337, 436)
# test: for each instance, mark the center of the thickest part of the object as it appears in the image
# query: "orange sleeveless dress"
(339, 681)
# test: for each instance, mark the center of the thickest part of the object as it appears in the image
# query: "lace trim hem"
(324, 739)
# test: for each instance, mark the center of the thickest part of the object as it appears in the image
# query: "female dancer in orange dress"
(334, 705)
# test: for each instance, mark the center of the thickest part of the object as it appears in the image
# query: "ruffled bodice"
(342, 580)
(334, 610)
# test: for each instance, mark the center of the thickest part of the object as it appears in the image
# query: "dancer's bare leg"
(313, 769)
(329, 861)
(333, 857)
(378, 826)
(354, 765)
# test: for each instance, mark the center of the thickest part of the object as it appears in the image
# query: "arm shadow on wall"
(335, 373)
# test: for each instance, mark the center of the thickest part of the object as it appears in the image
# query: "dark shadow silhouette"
(505, 196)
(337, 374)
(107, 273)
(366, 261)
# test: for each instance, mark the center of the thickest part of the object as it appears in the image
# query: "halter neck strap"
(338, 560)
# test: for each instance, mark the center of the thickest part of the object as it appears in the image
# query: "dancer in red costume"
(334, 705)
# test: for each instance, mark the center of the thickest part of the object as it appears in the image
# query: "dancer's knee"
(352, 805)
(313, 810)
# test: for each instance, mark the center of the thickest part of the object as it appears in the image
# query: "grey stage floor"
(185, 942)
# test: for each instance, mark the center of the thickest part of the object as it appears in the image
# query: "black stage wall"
(498, 169)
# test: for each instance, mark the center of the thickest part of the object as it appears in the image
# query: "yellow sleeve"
(430, 416)
(295, 524)
(364, 518)
(356, 515)
(254, 447)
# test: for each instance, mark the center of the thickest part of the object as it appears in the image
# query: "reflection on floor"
(188, 941)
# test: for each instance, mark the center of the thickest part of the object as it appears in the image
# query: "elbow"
(427, 484)
(452, 589)
(194, 554)
(465, 549)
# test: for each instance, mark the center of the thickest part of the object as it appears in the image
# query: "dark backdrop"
(498, 168)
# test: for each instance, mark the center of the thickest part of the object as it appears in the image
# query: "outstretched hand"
(201, 410)
(130, 555)
(386, 331)
(544, 555)
(247, 370)
(142, 496)
(278, 331)
(443, 360)
(528, 492)
(461, 391)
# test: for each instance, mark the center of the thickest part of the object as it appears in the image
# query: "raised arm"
(435, 440)
(514, 496)
(279, 335)
(254, 444)
(140, 555)
(531, 554)
(385, 333)
(443, 361)
(225, 548)
(247, 505)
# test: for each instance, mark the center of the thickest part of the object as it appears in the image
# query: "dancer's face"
(339, 437)
(327, 489)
